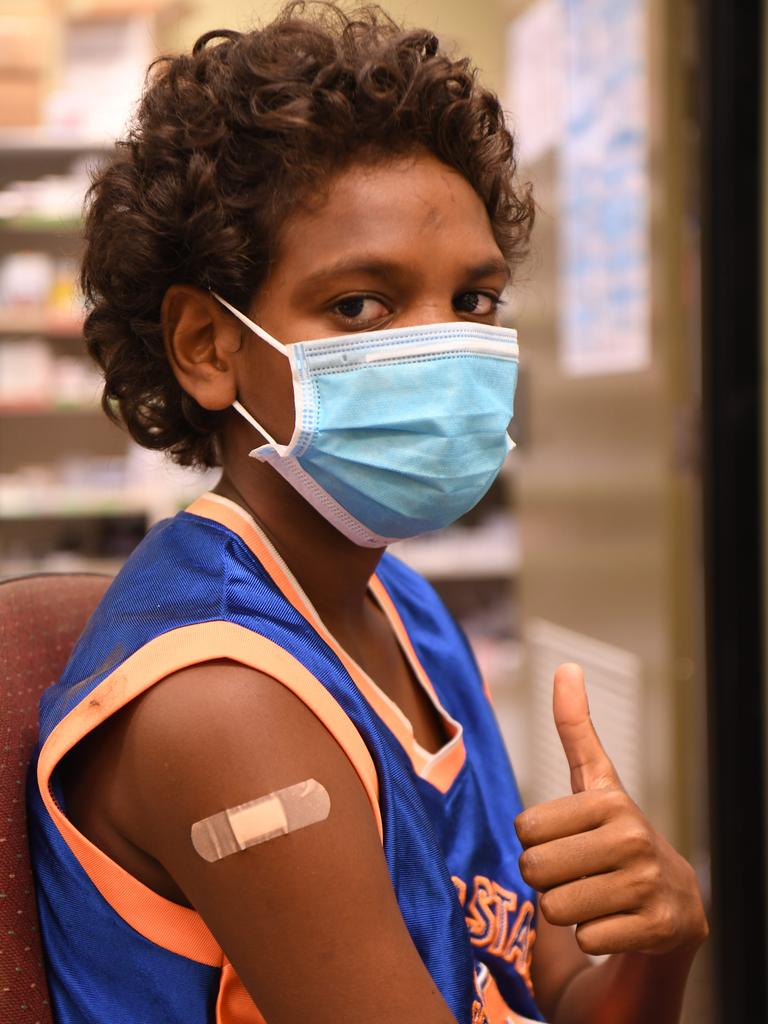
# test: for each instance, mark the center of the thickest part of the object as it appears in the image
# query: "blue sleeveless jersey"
(207, 584)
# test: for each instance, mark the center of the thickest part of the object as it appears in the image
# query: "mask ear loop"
(278, 345)
(265, 335)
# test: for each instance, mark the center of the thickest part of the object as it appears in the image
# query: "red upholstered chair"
(41, 617)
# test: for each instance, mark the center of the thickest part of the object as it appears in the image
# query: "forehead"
(414, 210)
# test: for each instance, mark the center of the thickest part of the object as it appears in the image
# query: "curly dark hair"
(225, 141)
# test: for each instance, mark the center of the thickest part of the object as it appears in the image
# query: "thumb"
(591, 768)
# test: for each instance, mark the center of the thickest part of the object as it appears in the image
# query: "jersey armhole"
(168, 925)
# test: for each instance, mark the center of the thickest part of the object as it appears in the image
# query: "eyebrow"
(494, 265)
(389, 268)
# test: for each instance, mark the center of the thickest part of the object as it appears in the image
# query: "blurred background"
(625, 532)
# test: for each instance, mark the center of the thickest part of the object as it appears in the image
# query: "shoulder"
(179, 580)
(222, 731)
(175, 574)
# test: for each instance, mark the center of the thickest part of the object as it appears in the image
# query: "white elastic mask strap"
(265, 335)
(255, 423)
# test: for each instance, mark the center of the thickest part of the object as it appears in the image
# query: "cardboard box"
(23, 42)
(21, 97)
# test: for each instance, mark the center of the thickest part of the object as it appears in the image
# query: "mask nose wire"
(264, 335)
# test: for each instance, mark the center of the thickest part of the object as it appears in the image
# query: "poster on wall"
(535, 70)
(605, 190)
(578, 85)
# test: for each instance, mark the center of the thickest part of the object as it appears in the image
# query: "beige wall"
(477, 28)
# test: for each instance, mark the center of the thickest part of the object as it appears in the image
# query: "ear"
(201, 344)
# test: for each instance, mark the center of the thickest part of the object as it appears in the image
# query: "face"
(402, 243)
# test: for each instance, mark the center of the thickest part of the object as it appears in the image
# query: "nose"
(421, 314)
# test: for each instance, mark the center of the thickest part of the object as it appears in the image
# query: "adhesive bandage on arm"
(276, 814)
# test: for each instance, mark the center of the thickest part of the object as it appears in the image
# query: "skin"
(399, 243)
(602, 867)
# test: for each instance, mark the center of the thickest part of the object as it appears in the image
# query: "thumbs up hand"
(594, 856)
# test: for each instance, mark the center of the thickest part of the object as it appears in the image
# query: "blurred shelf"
(25, 503)
(491, 552)
(37, 226)
(90, 409)
(36, 321)
(27, 141)
(59, 503)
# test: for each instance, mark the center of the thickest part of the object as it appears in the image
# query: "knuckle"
(658, 926)
(610, 803)
(644, 883)
(628, 810)
(653, 874)
(666, 921)
(637, 840)
(648, 877)
(615, 800)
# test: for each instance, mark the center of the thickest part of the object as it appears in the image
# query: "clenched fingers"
(625, 933)
(587, 899)
(563, 860)
(571, 815)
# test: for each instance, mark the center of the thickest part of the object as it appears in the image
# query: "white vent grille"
(613, 678)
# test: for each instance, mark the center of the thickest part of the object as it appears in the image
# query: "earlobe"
(200, 345)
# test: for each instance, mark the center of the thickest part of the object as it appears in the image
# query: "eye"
(477, 303)
(360, 310)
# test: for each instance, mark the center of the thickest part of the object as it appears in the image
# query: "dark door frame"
(732, 208)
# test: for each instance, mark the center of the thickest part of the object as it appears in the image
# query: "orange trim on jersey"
(442, 767)
(487, 692)
(381, 594)
(495, 1008)
(439, 769)
(442, 772)
(163, 922)
(234, 1005)
(220, 511)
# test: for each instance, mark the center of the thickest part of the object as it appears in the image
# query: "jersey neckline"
(440, 768)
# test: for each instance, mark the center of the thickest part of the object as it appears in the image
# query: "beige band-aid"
(276, 814)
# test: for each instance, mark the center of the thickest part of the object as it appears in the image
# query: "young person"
(270, 784)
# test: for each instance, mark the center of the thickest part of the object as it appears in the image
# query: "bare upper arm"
(309, 920)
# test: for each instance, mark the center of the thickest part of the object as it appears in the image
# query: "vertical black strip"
(732, 209)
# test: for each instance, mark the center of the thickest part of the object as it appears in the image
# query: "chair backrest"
(41, 618)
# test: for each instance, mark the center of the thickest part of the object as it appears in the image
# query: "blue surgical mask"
(397, 432)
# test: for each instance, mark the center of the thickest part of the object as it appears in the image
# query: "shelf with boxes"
(70, 74)
(50, 323)
(37, 377)
(74, 489)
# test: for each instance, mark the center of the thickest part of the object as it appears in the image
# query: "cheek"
(266, 390)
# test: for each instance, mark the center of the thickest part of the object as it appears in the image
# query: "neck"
(332, 570)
